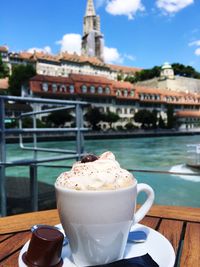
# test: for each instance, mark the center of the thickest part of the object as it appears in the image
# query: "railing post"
(33, 187)
(34, 135)
(79, 134)
(3, 196)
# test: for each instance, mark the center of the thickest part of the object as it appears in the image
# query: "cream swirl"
(102, 174)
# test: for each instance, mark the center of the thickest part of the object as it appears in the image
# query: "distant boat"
(193, 156)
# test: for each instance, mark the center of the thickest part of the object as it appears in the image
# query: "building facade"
(122, 98)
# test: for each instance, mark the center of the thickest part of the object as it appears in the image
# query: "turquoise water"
(159, 153)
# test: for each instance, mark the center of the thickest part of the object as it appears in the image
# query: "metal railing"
(32, 163)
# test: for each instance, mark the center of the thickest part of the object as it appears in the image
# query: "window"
(54, 88)
(118, 93)
(63, 88)
(132, 93)
(100, 90)
(126, 93)
(45, 87)
(92, 89)
(71, 89)
(107, 90)
(141, 96)
(84, 89)
(119, 111)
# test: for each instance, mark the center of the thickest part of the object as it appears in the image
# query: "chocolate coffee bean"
(89, 158)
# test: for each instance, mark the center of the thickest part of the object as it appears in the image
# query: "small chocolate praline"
(89, 158)
(45, 248)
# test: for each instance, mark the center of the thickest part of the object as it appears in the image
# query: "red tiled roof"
(81, 59)
(22, 55)
(3, 49)
(124, 68)
(46, 78)
(45, 56)
(64, 56)
(121, 84)
(90, 78)
(148, 90)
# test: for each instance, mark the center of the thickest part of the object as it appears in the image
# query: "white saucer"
(157, 246)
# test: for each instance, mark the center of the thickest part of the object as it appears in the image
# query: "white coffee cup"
(97, 223)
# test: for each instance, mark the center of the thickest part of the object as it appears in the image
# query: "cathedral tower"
(92, 40)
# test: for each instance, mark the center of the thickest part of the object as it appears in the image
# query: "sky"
(137, 33)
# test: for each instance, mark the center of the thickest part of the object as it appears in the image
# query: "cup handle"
(139, 215)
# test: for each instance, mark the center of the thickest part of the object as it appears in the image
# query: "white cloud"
(46, 49)
(197, 43)
(111, 55)
(197, 51)
(130, 57)
(71, 43)
(124, 7)
(173, 6)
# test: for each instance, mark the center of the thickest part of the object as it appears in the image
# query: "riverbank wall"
(93, 135)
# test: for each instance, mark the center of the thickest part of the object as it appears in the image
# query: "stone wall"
(180, 84)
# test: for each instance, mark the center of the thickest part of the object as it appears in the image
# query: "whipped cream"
(104, 173)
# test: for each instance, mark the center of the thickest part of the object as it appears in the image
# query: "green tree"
(130, 126)
(171, 120)
(119, 77)
(4, 70)
(111, 118)
(94, 116)
(147, 74)
(58, 118)
(20, 76)
(154, 118)
(145, 117)
(161, 123)
(27, 122)
(186, 71)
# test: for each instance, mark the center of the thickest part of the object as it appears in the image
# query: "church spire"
(92, 40)
(90, 11)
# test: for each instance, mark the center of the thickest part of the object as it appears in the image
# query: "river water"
(154, 153)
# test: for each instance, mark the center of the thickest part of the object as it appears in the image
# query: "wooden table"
(180, 225)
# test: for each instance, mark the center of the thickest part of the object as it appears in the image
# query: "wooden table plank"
(151, 222)
(12, 261)
(13, 244)
(23, 222)
(3, 237)
(191, 246)
(177, 213)
(172, 230)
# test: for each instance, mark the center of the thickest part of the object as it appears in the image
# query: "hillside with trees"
(146, 74)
